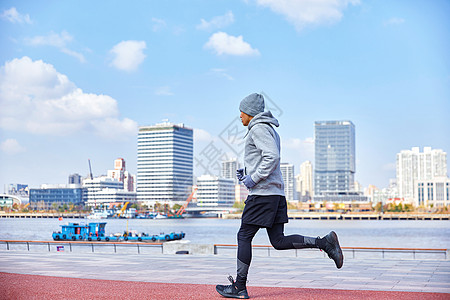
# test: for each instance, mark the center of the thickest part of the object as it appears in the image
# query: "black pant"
(277, 238)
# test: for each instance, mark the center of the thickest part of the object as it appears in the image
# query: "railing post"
(48, 247)
(70, 246)
(92, 244)
(7, 246)
(139, 252)
(353, 252)
(115, 248)
(414, 254)
(268, 250)
(28, 246)
(382, 251)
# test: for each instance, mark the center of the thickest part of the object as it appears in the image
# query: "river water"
(356, 233)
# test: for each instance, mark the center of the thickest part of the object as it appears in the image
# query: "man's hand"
(240, 174)
(248, 181)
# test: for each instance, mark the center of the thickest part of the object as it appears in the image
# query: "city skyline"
(69, 93)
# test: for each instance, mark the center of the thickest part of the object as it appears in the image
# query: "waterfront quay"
(44, 215)
(70, 275)
(293, 215)
(355, 216)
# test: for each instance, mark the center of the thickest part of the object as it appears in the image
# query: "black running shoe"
(333, 249)
(231, 291)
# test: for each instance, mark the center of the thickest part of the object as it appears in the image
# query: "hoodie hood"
(264, 117)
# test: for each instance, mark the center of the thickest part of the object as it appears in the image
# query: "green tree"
(239, 205)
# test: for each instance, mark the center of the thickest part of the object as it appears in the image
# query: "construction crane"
(90, 169)
(181, 210)
(124, 207)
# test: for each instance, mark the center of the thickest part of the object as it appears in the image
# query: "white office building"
(287, 171)
(229, 168)
(304, 181)
(121, 174)
(165, 163)
(108, 196)
(414, 166)
(433, 192)
(215, 191)
(103, 190)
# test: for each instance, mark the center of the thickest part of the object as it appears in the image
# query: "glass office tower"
(165, 163)
(334, 157)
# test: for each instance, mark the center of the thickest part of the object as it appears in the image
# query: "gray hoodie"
(262, 155)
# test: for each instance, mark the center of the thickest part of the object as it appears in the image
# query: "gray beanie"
(252, 104)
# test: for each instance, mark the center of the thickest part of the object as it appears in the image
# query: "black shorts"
(265, 211)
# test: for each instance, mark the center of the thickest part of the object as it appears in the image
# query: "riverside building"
(214, 191)
(304, 181)
(287, 171)
(433, 192)
(51, 196)
(334, 174)
(414, 166)
(229, 168)
(165, 163)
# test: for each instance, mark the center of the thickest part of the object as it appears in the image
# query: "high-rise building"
(435, 192)
(287, 171)
(165, 163)
(75, 179)
(54, 195)
(229, 168)
(215, 191)
(334, 174)
(414, 166)
(17, 189)
(121, 174)
(334, 157)
(305, 181)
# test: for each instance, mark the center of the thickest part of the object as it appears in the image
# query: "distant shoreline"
(293, 215)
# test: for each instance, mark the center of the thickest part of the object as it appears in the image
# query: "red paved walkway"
(18, 286)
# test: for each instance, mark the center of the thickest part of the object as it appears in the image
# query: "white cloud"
(52, 39)
(302, 13)
(11, 146)
(222, 43)
(158, 24)
(296, 151)
(394, 21)
(201, 135)
(217, 22)
(163, 91)
(128, 55)
(13, 16)
(298, 144)
(222, 73)
(115, 129)
(35, 98)
(59, 41)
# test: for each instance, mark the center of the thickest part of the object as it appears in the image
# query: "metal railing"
(354, 251)
(92, 245)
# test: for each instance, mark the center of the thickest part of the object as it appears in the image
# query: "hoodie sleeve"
(270, 153)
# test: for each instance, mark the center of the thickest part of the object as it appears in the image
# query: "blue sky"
(78, 78)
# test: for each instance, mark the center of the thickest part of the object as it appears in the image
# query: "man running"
(266, 206)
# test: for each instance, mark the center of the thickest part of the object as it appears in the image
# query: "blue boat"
(96, 232)
(144, 237)
(81, 232)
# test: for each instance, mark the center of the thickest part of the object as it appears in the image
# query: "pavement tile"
(268, 271)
